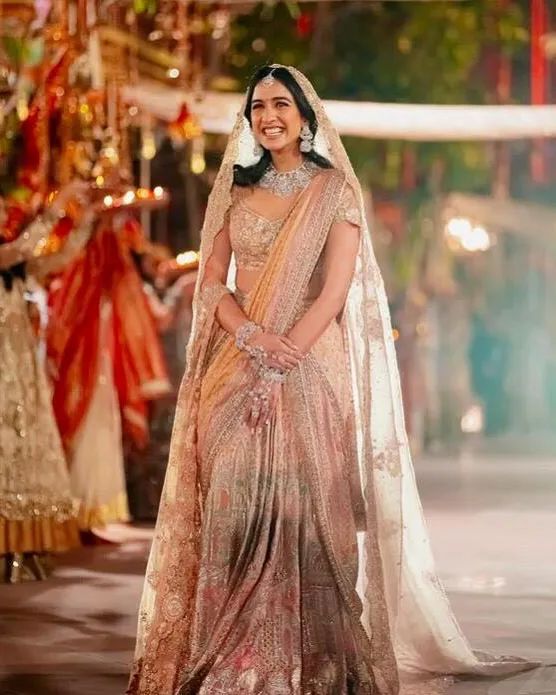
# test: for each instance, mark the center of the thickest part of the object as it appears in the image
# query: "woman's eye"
(282, 103)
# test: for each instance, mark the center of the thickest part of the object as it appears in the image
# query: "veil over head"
(397, 580)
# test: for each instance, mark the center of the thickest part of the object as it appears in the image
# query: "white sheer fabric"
(396, 564)
(426, 634)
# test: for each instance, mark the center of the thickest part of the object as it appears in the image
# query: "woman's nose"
(268, 115)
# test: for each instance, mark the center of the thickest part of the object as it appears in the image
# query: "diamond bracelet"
(258, 353)
(272, 374)
(243, 333)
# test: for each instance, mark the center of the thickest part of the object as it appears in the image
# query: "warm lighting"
(198, 164)
(472, 421)
(22, 109)
(99, 180)
(395, 333)
(173, 73)
(148, 148)
(110, 153)
(108, 201)
(128, 197)
(187, 258)
(158, 192)
(463, 234)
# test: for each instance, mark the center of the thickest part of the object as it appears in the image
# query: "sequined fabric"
(251, 235)
(396, 618)
(37, 511)
(266, 592)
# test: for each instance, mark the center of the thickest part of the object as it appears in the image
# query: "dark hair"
(9, 275)
(247, 176)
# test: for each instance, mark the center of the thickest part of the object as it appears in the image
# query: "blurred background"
(448, 112)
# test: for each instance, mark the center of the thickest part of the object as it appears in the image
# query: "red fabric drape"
(539, 74)
(105, 268)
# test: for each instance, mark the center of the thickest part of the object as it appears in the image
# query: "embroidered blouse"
(252, 234)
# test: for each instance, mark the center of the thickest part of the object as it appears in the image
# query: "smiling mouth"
(272, 132)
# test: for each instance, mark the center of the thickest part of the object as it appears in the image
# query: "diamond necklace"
(285, 183)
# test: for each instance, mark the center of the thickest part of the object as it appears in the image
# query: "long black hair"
(250, 175)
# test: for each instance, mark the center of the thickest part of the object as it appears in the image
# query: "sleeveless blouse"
(252, 234)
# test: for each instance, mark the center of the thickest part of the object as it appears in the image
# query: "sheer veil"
(395, 554)
(425, 632)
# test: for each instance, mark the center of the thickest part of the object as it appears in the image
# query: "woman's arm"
(340, 253)
(228, 313)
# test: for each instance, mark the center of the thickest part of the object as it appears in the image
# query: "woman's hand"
(281, 352)
(262, 402)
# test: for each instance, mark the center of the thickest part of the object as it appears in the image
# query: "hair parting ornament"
(269, 80)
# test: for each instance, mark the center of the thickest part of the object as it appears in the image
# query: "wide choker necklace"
(285, 183)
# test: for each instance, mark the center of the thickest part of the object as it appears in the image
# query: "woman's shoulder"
(348, 207)
(239, 192)
(333, 174)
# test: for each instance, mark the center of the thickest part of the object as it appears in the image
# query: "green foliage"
(391, 52)
(148, 7)
(20, 51)
(404, 52)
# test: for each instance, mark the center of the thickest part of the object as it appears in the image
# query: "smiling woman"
(283, 123)
(291, 554)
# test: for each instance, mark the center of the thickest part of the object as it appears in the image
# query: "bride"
(291, 555)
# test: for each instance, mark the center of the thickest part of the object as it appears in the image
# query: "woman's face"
(275, 118)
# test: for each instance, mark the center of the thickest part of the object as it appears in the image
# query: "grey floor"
(492, 521)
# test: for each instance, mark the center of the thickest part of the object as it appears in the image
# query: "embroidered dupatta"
(400, 604)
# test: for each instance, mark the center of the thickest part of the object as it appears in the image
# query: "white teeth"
(272, 131)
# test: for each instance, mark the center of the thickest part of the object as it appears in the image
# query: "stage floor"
(492, 520)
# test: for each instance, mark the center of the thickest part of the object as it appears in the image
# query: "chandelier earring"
(307, 138)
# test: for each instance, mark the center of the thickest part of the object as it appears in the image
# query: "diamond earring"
(306, 137)
(257, 150)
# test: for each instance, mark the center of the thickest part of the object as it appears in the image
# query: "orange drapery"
(104, 269)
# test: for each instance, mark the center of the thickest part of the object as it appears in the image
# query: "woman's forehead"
(276, 90)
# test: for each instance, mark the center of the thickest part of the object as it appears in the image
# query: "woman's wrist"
(244, 334)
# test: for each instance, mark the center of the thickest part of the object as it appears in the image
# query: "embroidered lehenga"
(37, 509)
(295, 560)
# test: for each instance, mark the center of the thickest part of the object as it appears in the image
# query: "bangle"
(243, 333)
(272, 374)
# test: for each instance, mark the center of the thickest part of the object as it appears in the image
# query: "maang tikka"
(269, 80)
(306, 137)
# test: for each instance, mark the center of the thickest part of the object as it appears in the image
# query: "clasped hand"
(281, 352)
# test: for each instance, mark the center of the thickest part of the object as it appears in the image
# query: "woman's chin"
(274, 146)
(277, 147)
